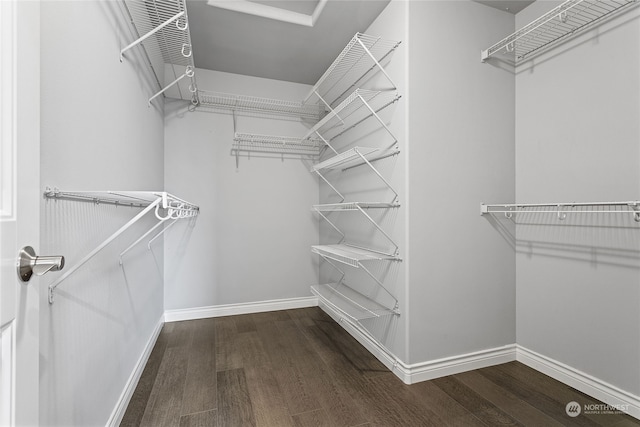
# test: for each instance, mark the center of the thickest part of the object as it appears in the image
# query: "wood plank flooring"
(300, 368)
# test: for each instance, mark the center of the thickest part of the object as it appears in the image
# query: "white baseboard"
(242, 308)
(428, 370)
(581, 381)
(121, 407)
(437, 368)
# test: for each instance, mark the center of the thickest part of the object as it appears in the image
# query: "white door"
(19, 208)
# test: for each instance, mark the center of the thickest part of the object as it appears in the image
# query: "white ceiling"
(235, 42)
(511, 6)
(241, 41)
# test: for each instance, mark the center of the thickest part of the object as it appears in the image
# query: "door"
(19, 208)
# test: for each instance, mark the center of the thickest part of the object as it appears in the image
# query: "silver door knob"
(29, 263)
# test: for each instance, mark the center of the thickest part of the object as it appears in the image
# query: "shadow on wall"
(595, 238)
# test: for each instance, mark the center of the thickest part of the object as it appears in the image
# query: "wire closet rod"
(561, 208)
(175, 208)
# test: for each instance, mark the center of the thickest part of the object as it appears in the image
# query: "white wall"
(97, 134)
(461, 289)
(578, 139)
(252, 239)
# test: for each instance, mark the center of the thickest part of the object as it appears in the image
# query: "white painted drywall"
(97, 134)
(578, 139)
(461, 289)
(251, 241)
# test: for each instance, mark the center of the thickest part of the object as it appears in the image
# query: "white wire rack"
(356, 156)
(359, 207)
(351, 255)
(257, 105)
(354, 257)
(164, 205)
(271, 144)
(568, 19)
(360, 59)
(349, 302)
(356, 108)
(162, 29)
(562, 209)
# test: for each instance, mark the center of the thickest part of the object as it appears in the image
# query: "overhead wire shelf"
(568, 19)
(349, 302)
(271, 144)
(360, 58)
(162, 28)
(359, 106)
(258, 105)
(562, 209)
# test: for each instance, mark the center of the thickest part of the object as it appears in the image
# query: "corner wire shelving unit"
(562, 209)
(559, 24)
(348, 105)
(165, 207)
(162, 29)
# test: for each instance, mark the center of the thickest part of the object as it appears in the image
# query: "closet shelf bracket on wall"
(162, 29)
(562, 209)
(173, 208)
(568, 19)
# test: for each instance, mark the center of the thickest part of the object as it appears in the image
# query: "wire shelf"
(253, 104)
(350, 303)
(354, 206)
(345, 159)
(358, 60)
(162, 28)
(359, 106)
(562, 209)
(568, 19)
(137, 199)
(271, 144)
(350, 255)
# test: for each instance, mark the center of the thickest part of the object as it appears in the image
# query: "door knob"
(29, 263)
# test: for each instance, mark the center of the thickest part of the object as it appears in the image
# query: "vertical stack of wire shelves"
(161, 27)
(354, 90)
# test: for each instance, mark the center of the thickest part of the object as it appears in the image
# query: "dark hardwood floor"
(300, 368)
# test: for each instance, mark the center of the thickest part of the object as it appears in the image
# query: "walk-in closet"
(320, 212)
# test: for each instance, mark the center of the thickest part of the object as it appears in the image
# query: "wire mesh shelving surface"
(564, 21)
(345, 159)
(350, 255)
(354, 206)
(258, 105)
(350, 302)
(271, 144)
(170, 44)
(359, 106)
(353, 65)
